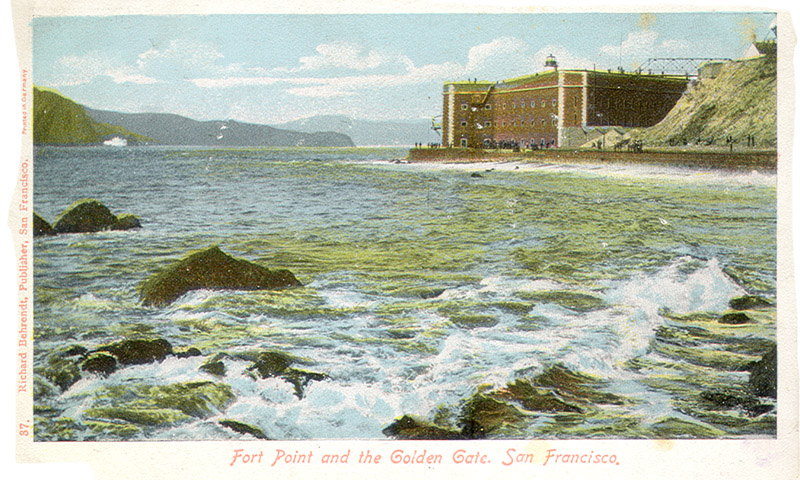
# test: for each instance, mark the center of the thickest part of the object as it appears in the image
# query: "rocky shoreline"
(721, 375)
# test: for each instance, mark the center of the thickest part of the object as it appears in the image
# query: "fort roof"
(483, 86)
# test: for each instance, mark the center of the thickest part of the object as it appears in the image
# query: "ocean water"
(423, 284)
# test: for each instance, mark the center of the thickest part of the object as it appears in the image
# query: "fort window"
(488, 106)
(463, 106)
(463, 124)
(553, 102)
(488, 124)
(533, 103)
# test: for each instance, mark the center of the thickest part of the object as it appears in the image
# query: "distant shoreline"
(749, 160)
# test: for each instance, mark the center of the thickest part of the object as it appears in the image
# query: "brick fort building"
(554, 108)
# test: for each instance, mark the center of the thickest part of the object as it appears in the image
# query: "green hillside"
(740, 102)
(60, 121)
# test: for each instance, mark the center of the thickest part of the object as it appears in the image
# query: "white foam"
(618, 170)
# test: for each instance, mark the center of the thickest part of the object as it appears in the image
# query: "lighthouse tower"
(550, 63)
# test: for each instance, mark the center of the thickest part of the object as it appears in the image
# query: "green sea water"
(423, 285)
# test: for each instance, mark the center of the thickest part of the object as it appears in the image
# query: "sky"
(276, 68)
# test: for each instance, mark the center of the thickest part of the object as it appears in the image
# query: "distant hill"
(740, 101)
(170, 129)
(57, 120)
(367, 132)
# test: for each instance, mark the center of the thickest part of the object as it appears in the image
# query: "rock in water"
(748, 302)
(138, 351)
(278, 364)
(736, 318)
(127, 222)
(91, 215)
(244, 428)
(211, 269)
(100, 362)
(409, 427)
(764, 376)
(40, 227)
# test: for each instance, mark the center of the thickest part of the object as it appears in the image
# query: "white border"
(690, 459)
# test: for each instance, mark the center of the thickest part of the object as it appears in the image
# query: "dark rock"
(100, 362)
(748, 302)
(244, 428)
(301, 378)
(76, 350)
(736, 318)
(91, 215)
(40, 227)
(210, 269)
(189, 352)
(127, 222)
(85, 216)
(536, 398)
(576, 386)
(214, 368)
(409, 427)
(278, 364)
(214, 365)
(483, 414)
(759, 409)
(723, 399)
(138, 351)
(60, 370)
(272, 364)
(673, 428)
(476, 175)
(764, 375)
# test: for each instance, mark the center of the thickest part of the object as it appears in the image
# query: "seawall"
(745, 160)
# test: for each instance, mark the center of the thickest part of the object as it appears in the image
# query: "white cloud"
(78, 70)
(180, 52)
(229, 82)
(644, 43)
(343, 85)
(341, 55)
(501, 53)
(321, 91)
(124, 75)
(175, 61)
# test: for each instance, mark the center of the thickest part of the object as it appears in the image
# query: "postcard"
(392, 239)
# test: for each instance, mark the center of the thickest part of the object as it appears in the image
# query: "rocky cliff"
(738, 105)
